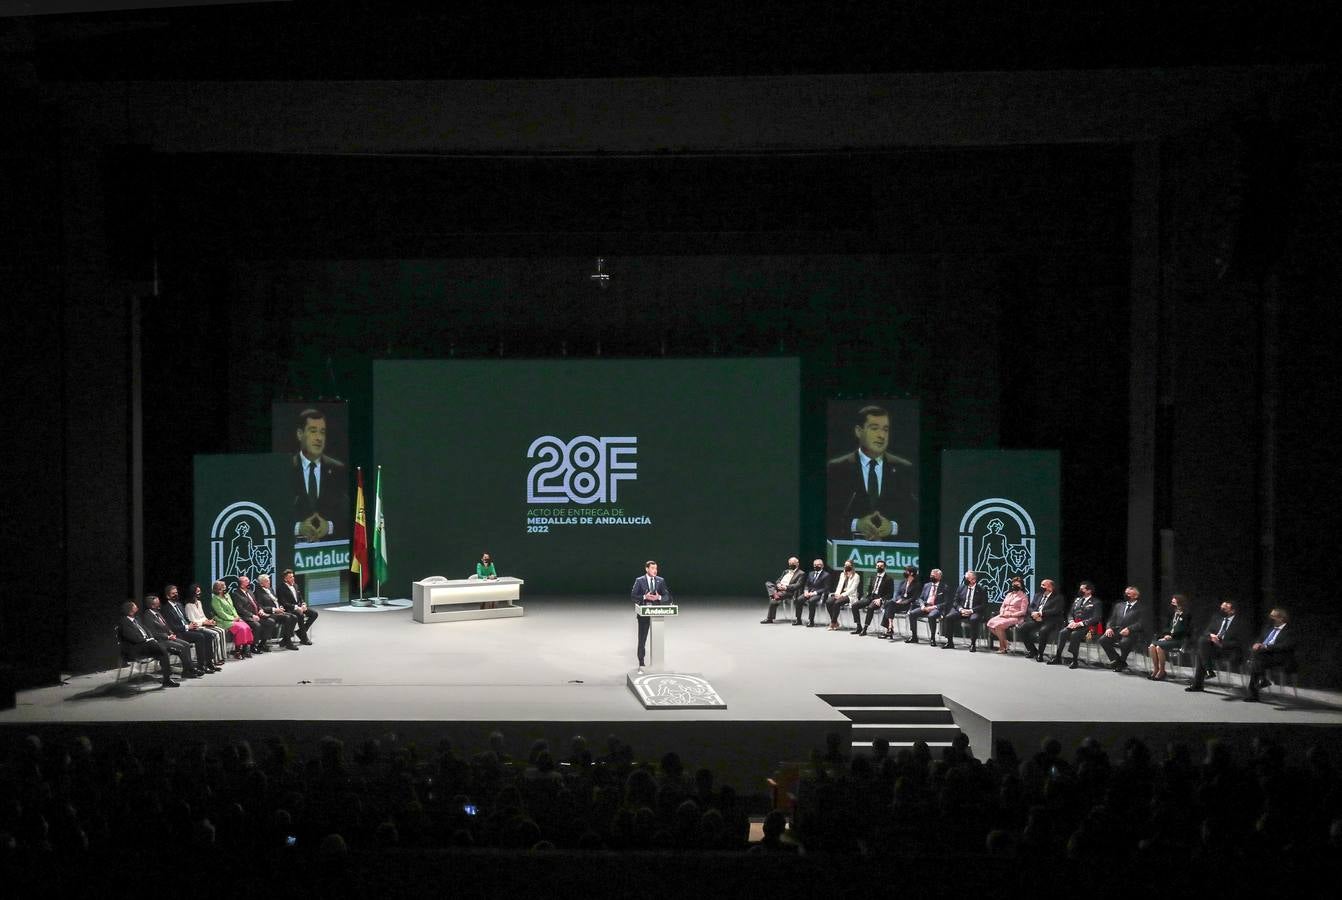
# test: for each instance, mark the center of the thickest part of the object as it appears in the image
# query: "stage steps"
(902, 719)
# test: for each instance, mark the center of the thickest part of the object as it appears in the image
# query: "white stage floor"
(566, 661)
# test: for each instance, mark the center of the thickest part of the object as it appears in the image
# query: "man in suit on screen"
(648, 588)
(321, 495)
(871, 494)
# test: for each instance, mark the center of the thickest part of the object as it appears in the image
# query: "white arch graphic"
(994, 506)
(237, 510)
(219, 535)
(997, 505)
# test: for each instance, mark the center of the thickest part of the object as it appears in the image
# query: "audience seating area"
(422, 818)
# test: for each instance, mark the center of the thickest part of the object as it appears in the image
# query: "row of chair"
(1184, 657)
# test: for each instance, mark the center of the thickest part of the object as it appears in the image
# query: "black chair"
(129, 659)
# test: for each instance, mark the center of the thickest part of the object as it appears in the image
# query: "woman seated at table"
(1173, 639)
(227, 617)
(195, 614)
(1011, 614)
(484, 569)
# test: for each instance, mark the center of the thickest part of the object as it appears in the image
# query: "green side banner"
(1000, 516)
(242, 521)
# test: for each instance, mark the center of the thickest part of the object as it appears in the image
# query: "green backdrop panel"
(1000, 516)
(572, 473)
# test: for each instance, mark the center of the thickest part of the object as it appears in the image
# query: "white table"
(457, 600)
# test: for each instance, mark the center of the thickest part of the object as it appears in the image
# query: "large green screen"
(571, 474)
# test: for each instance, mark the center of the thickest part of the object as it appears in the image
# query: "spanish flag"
(358, 561)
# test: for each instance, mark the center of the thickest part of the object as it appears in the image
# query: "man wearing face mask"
(933, 603)
(881, 589)
(906, 594)
(1043, 618)
(1226, 640)
(814, 592)
(1084, 615)
(970, 602)
(785, 587)
(1123, 630)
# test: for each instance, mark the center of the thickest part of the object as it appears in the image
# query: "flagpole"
(359, 542)
(378, 542)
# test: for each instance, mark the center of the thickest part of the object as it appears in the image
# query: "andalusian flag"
(379, 534)
(358, 560)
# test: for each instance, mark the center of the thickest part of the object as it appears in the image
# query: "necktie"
(873, 487)
(1225, 626)
(1272, 637)
(312, 480)
(140, 628)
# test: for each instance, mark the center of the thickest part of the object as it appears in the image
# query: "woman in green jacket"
(485, 568)
(228, 617)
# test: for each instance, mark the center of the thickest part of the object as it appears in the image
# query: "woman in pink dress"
(227, 617)
(1010, 615)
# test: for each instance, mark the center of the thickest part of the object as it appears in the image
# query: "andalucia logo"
(997, 540)
(242, 542)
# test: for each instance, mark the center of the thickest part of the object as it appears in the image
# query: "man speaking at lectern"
(648, 588)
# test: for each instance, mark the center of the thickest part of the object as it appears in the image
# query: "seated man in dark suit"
(154, 623)
(262, 625)
(292, 601)
(933, 603)
(137, 644)
(270, 605)
(971, 601)
(181, 628)
(813, 592)
(1123, 630)
(1043, 618)
(1275, 650)
(1226, 640)
(879, 590)
(786, 587)
(1084, 615)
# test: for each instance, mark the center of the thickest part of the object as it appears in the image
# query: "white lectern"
(656, 688)
(656, 614)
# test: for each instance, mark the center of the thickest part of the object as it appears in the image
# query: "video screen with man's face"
(314, 435)
(871, 482)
